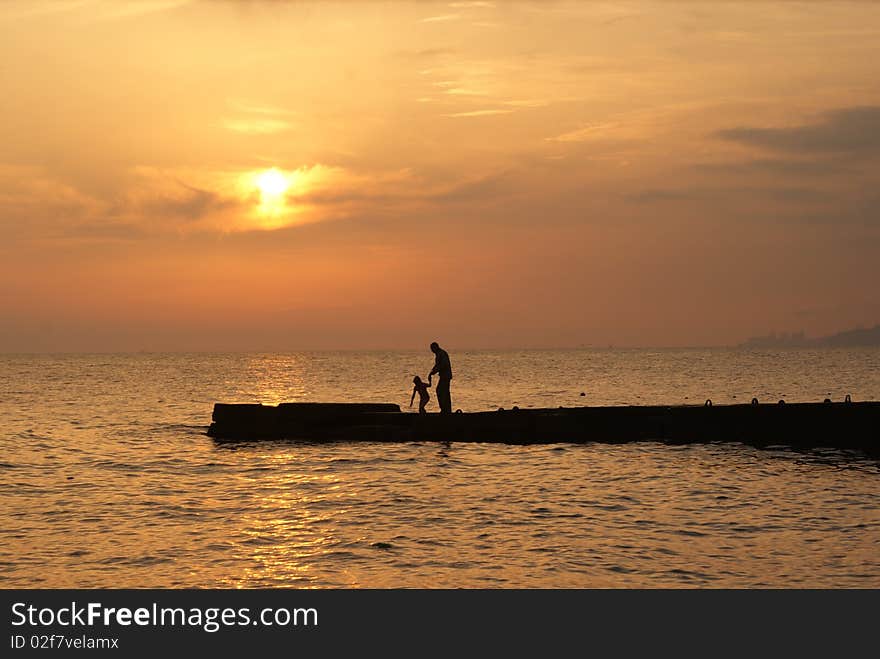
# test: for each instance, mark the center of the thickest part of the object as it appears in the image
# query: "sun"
(272, 184)
(269, 195)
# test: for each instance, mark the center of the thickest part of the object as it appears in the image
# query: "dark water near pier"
(107, 478)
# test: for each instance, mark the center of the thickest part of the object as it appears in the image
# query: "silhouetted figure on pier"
(443, 369)
(422, 389)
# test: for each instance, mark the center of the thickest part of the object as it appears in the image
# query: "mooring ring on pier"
(708, 403)
(781, 402)
(848, 399)
(754, 401)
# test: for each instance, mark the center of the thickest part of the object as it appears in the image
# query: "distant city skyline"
(252, 175)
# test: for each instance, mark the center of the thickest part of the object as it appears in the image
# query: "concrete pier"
(800, 425)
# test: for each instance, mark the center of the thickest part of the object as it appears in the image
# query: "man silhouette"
(443, 369)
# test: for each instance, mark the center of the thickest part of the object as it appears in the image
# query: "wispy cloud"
(426, 53)
(90, 11)
(462, 91)
(442, 18)
(140, 7)
(258, 108)
(257, 119)
(257, 125)
(534, 103)
(476, 190)
(479, 113)
(583, 134)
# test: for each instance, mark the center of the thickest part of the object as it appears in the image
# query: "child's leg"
(422, 403)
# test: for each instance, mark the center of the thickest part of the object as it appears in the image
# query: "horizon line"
(743, 347)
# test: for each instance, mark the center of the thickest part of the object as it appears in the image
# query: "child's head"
(417, 380)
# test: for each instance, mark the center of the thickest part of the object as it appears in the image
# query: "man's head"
(435, 347)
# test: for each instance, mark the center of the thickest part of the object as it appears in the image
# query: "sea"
(108, 478)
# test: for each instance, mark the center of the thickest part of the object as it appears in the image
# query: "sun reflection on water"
(288, 527)
(275, 379)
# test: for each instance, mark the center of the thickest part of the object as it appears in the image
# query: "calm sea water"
(108, 479)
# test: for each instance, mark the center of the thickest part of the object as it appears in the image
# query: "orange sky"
(271, 175)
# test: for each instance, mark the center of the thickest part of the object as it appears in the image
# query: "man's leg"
(444, 399)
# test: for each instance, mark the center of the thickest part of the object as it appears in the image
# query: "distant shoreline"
(854, 338)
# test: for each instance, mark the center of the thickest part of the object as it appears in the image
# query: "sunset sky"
(284, 175)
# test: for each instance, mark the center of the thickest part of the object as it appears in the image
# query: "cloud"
(478, 113)
(433, 52)
(257, 126)
(443, 18)
(653, 196)
(618, 19)
(257, 119)
(785, 167)
(117, 10)
(854, 131)
(35, 203)
(343, 197)
(97, 10)
(733, 195)
(146, 201)
(190, 204)
(584, 134)
(398, 189)
(477, 190)
(102, 232)
(536, 103)
(859, 208)
(472, 5)
(230, 201)
(463, 91)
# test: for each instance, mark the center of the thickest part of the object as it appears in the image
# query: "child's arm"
(429, 379)
(413, 397)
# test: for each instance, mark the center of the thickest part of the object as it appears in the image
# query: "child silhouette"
(422, 389)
